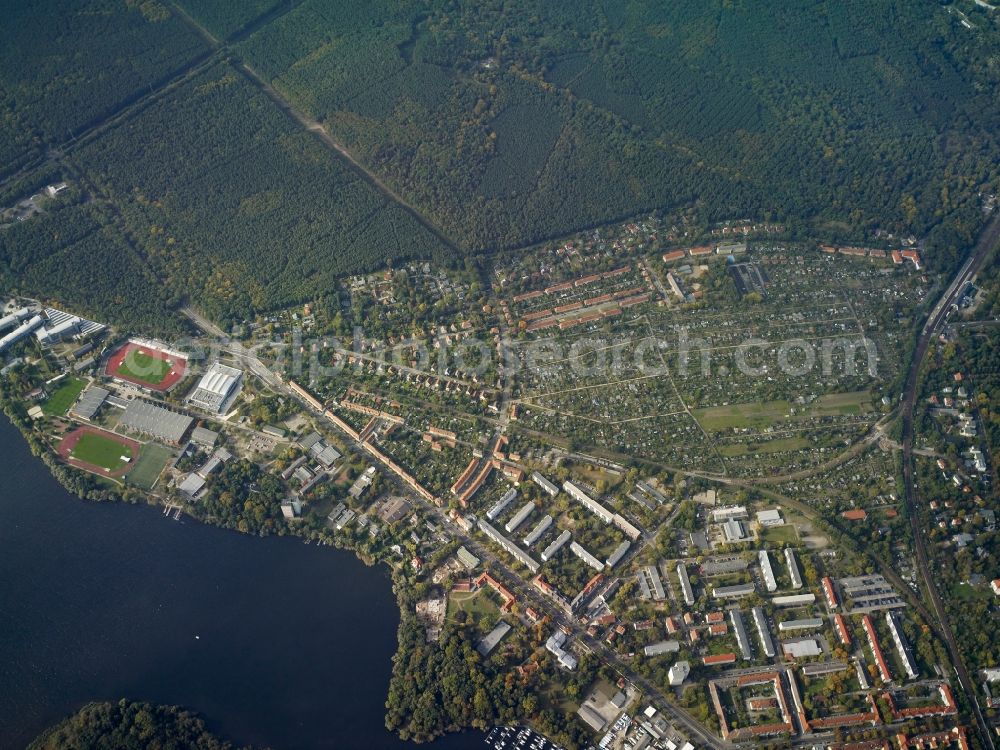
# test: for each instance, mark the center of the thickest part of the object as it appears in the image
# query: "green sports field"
(141, 366)
(101, 451)
(63, 397)
(152, 458)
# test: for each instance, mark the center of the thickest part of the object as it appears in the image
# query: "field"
(475, 604)
(765, 414)
(150, 368)
(152, 459)
(64, 396)
(98, 451)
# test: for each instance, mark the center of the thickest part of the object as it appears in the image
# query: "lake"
(273, 641)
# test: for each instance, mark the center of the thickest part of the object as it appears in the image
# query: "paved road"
(987, 241)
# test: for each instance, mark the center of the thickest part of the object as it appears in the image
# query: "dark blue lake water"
(274, 642)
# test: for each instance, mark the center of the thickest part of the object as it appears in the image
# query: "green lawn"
(152, 458)
(767, 413)
(474, 604)
(144, 367)
(780, 534)
(101, 451)
(64, 396)
(768, 446)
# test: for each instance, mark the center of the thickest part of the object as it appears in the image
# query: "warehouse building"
(146, 418)
(217, 389)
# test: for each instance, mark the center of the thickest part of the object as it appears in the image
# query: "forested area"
(509, 125)
(238, 208)
(75, 256)
(64, 66)
(129, 726)
(224, 17)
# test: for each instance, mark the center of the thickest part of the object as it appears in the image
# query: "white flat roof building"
(793, 568)
(536, 533)
(682, 576)
(217, 388)
(588, 502)
(767, 571)
(555, 546)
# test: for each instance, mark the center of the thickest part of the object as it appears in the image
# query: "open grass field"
(767, 413)
(64, 397)
(475, 604)
(103, 453)
(770, 446)
(152, 459)
(778, 535)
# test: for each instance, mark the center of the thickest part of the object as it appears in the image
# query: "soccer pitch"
(144, 367)
(100, 451)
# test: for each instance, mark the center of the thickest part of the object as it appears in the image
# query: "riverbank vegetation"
(128, 725)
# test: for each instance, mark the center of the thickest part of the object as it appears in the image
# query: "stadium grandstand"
(146, 418)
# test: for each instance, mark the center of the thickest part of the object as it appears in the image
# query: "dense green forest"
(509, 122)
(129, 726)
(63, 66)
(223, 18)
(237, 207)
(503, 122)
(74, 255)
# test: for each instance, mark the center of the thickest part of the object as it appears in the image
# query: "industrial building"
(536, 533)
(793, 568)
(146, 418)
(760, 622)
(217, 388)
(770, 582)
